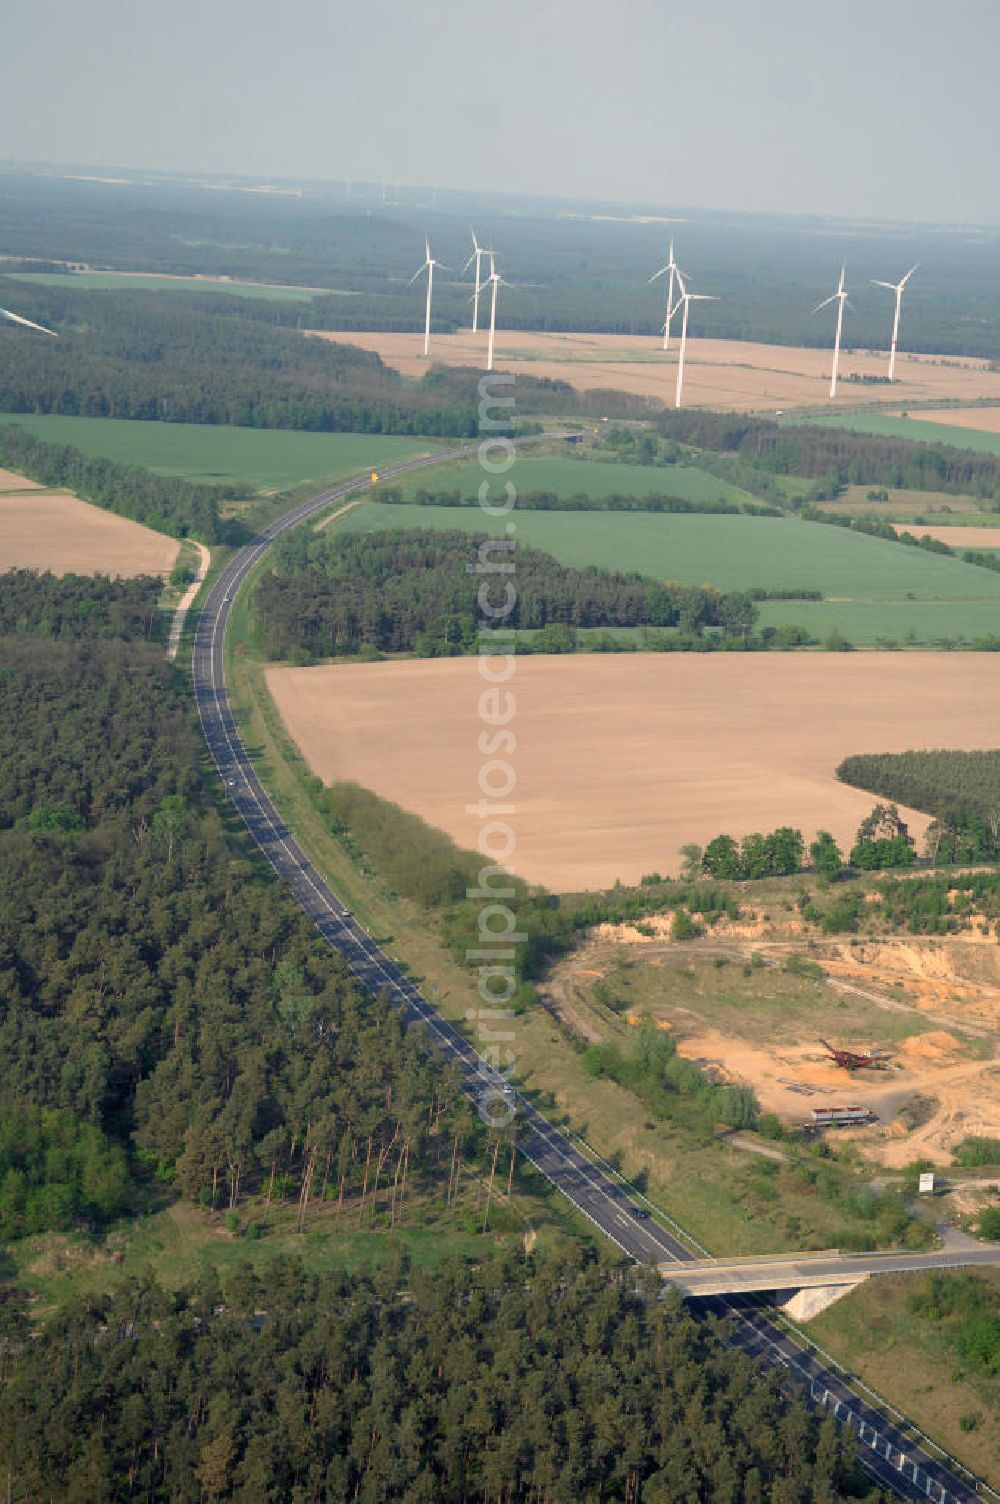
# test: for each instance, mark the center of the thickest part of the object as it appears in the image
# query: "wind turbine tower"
(686, 299)
(478, 252)
(493, 282)
(428, 266)
(671, 270)
(840, 296)
(897, 288)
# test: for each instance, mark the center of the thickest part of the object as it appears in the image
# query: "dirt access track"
(620, 760)
(726, 375)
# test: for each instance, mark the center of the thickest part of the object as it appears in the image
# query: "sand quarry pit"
(962, 1094)
(54, 530)
(728, 375)
(933, 1007)
(620, 760)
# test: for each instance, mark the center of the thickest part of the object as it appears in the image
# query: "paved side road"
(889, 1453)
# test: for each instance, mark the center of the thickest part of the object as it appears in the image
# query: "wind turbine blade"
(475, 243)
(831, 299)
(471, 259)
(416, 274)
(703, 297)
(660, 272)
(909, 274)
(890, 285)
(16, 318)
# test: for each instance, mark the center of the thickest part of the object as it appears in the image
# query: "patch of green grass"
(259, 459)
(569, 477)
(773, 1005)
(149, 282)
(924, 623)
(903, 428)
(177, 1243)
(912, 1360)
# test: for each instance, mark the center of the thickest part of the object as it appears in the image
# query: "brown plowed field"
(733, 375)
(54, 530)
(620, 760)
(955, 537)
(983, 419)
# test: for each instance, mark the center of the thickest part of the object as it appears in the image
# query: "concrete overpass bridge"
(812, 1281)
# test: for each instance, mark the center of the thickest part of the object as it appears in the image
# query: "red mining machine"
(851, 1060)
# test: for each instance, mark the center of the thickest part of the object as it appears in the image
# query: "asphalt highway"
(888, 1448)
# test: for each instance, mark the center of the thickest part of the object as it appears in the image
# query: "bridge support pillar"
(808, 1302)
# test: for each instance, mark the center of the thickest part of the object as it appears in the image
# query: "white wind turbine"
(15, 318)
(897, 288)
(840, 297)
(671, 270)
(493, 281)
(428, 266)
(686, 298)
(478, 252)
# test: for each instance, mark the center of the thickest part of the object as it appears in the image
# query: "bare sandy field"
(955, 537)
(722, 374)
(621, 760)
(983, 419)
(9, 481)
(56, 531)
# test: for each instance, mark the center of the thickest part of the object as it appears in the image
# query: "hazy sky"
(870, 107)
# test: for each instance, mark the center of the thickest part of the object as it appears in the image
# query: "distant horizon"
(111, 174)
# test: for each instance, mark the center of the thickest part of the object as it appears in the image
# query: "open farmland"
(259, 459)
(54, 530)
(728, 375)
(932, 427)
(585, 477)
(876, 588)
(161, 282)
(620, 761)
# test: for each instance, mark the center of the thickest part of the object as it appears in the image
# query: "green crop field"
(149, 282)
(259, 459)
(878, 589)
(568, 477)
(927, 623)
(904, 428)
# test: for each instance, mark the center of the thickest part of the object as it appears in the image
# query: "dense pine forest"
(554, 1379)
(153, 985)
(80, 606)
(549, 501)
(835, 455)
(413, 592)
(960, 789)
(165, 502)
(196, 359)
